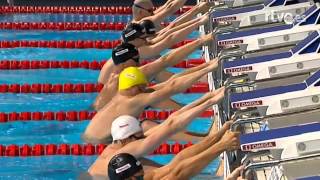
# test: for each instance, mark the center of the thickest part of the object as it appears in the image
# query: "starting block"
(281, 99)
(296, 149)
(264, 38)
(278, 68)
(271, 11)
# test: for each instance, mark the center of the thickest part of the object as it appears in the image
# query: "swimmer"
(133, 97)
(130, 57)
(128, 134)
(186, 164)
(143, 9)
(132, 168)
(149, 50)
(201, 7)
(143, 35)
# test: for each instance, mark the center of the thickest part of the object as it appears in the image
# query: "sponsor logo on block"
(247, 104)
(257, 146)
(238, 69)
(230, 42)
(225, 19)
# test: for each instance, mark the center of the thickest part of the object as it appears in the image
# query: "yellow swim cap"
(130, 77)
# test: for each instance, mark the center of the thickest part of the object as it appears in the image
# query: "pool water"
(45, 132)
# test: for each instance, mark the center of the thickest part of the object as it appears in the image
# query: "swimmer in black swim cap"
(132, 32)
(124, 166)
(125, 52)
(149, 27)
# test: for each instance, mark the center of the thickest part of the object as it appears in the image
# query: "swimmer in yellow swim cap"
(131, 76)
(134, 96)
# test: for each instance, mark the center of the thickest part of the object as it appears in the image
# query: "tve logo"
(287, 18)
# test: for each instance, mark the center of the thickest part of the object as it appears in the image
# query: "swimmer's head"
(132, 78)
(142, 9)
(124, 166)
(125, 53)
(132, 32)
(125, 127)
(149, 27)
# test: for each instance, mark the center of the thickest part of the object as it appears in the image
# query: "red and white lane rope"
(74, 9)
(75, 88)
(76, 149)
(93, 65)
(63, 26)
(78, 44)
(81, 115)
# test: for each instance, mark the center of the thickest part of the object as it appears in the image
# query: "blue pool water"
(44, 132)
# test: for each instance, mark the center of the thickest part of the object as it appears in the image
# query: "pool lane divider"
(65, 26)
(89, 10)
(93, 65)
(82, 115)
(77, 44)
(77, 88)
(26, 150)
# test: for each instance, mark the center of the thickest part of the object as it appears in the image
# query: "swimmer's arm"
(105, 72)
(103, 98)
(170, 9)
(167, 31)
(185, 72)
(174, 57)
(173, 86)
(194, 165)
(197, 148)
(169, 41)
(229, 141)
(167, 104)
(161, 8)
(200, 8)
(182, 19)
(194, 69)
(166, 129)
(176, 162)
(213, 97)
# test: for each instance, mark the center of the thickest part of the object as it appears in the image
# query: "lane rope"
(65, 26)
(77, 44)
(76, 88)
(26, 150)
(74, 9)
(93, 65)
(81, 115)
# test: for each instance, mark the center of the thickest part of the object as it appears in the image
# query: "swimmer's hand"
(236, 174)
(217, 95)
(230, 140)
(208, 38)
(204, 18)
(205, 5)
(213, 64)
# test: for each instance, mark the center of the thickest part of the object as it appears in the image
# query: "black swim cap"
(123, 52)
(132, 31)
(149, 27)
(123, 166)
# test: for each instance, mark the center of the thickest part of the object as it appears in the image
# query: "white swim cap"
(125, 126)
